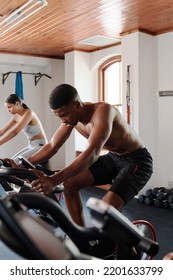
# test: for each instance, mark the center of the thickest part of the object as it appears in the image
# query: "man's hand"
(43, 184)
(11, 162)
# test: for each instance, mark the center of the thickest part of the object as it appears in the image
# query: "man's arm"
(51, 148)
(100, 133)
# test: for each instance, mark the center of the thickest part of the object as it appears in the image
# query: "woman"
(24, 119)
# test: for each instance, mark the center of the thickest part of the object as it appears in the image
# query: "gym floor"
(161, 219)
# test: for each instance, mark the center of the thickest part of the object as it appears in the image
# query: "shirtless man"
(127, 167)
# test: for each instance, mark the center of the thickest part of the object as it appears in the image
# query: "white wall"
(70, 79)
(165, 108)
(130, 57)
(78, 74)
(36, 97)
(139, 52)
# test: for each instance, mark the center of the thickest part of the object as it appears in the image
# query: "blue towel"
(19, 85)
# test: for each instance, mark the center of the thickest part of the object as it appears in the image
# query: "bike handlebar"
(9, 172)
(42, 202)
(20, 172)
(4, 163)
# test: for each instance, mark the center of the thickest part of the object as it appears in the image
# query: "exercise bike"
(9, 185)
(110, 227)
(27, 165)
(31, 237)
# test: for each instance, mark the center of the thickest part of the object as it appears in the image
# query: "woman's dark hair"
(13, 98)
(62, 95)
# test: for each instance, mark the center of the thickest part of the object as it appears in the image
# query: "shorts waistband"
(139, 151)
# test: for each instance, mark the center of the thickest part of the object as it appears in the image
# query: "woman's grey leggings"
(33, 147)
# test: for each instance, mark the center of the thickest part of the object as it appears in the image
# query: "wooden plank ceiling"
(59, 27)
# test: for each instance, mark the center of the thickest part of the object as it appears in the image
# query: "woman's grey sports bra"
(32, 130)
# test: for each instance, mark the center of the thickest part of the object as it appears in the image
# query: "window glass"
(110, 82)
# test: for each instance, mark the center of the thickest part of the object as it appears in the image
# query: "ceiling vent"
(99, 41)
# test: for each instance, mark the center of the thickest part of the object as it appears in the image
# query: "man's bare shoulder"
(104, 108)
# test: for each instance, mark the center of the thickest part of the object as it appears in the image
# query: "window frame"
(101, 79)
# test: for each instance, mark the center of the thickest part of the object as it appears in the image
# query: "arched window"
(110, 82)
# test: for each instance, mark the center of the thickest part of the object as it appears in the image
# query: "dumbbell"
(158, 202)
(149, 200)
(162, 202)
(171, 205)
(170, 198)
(157, 191)
(165, 204)
(149, 192)
(161, 194)
(141, 198)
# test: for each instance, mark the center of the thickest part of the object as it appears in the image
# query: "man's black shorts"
(127, 174)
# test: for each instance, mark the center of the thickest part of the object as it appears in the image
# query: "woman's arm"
(11, 132)
(8, 126)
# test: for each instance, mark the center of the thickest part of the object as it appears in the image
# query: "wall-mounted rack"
(166, 93)
(37, 76)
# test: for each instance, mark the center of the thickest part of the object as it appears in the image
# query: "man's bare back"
(122, 139)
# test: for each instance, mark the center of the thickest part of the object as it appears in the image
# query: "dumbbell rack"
(158, 197)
